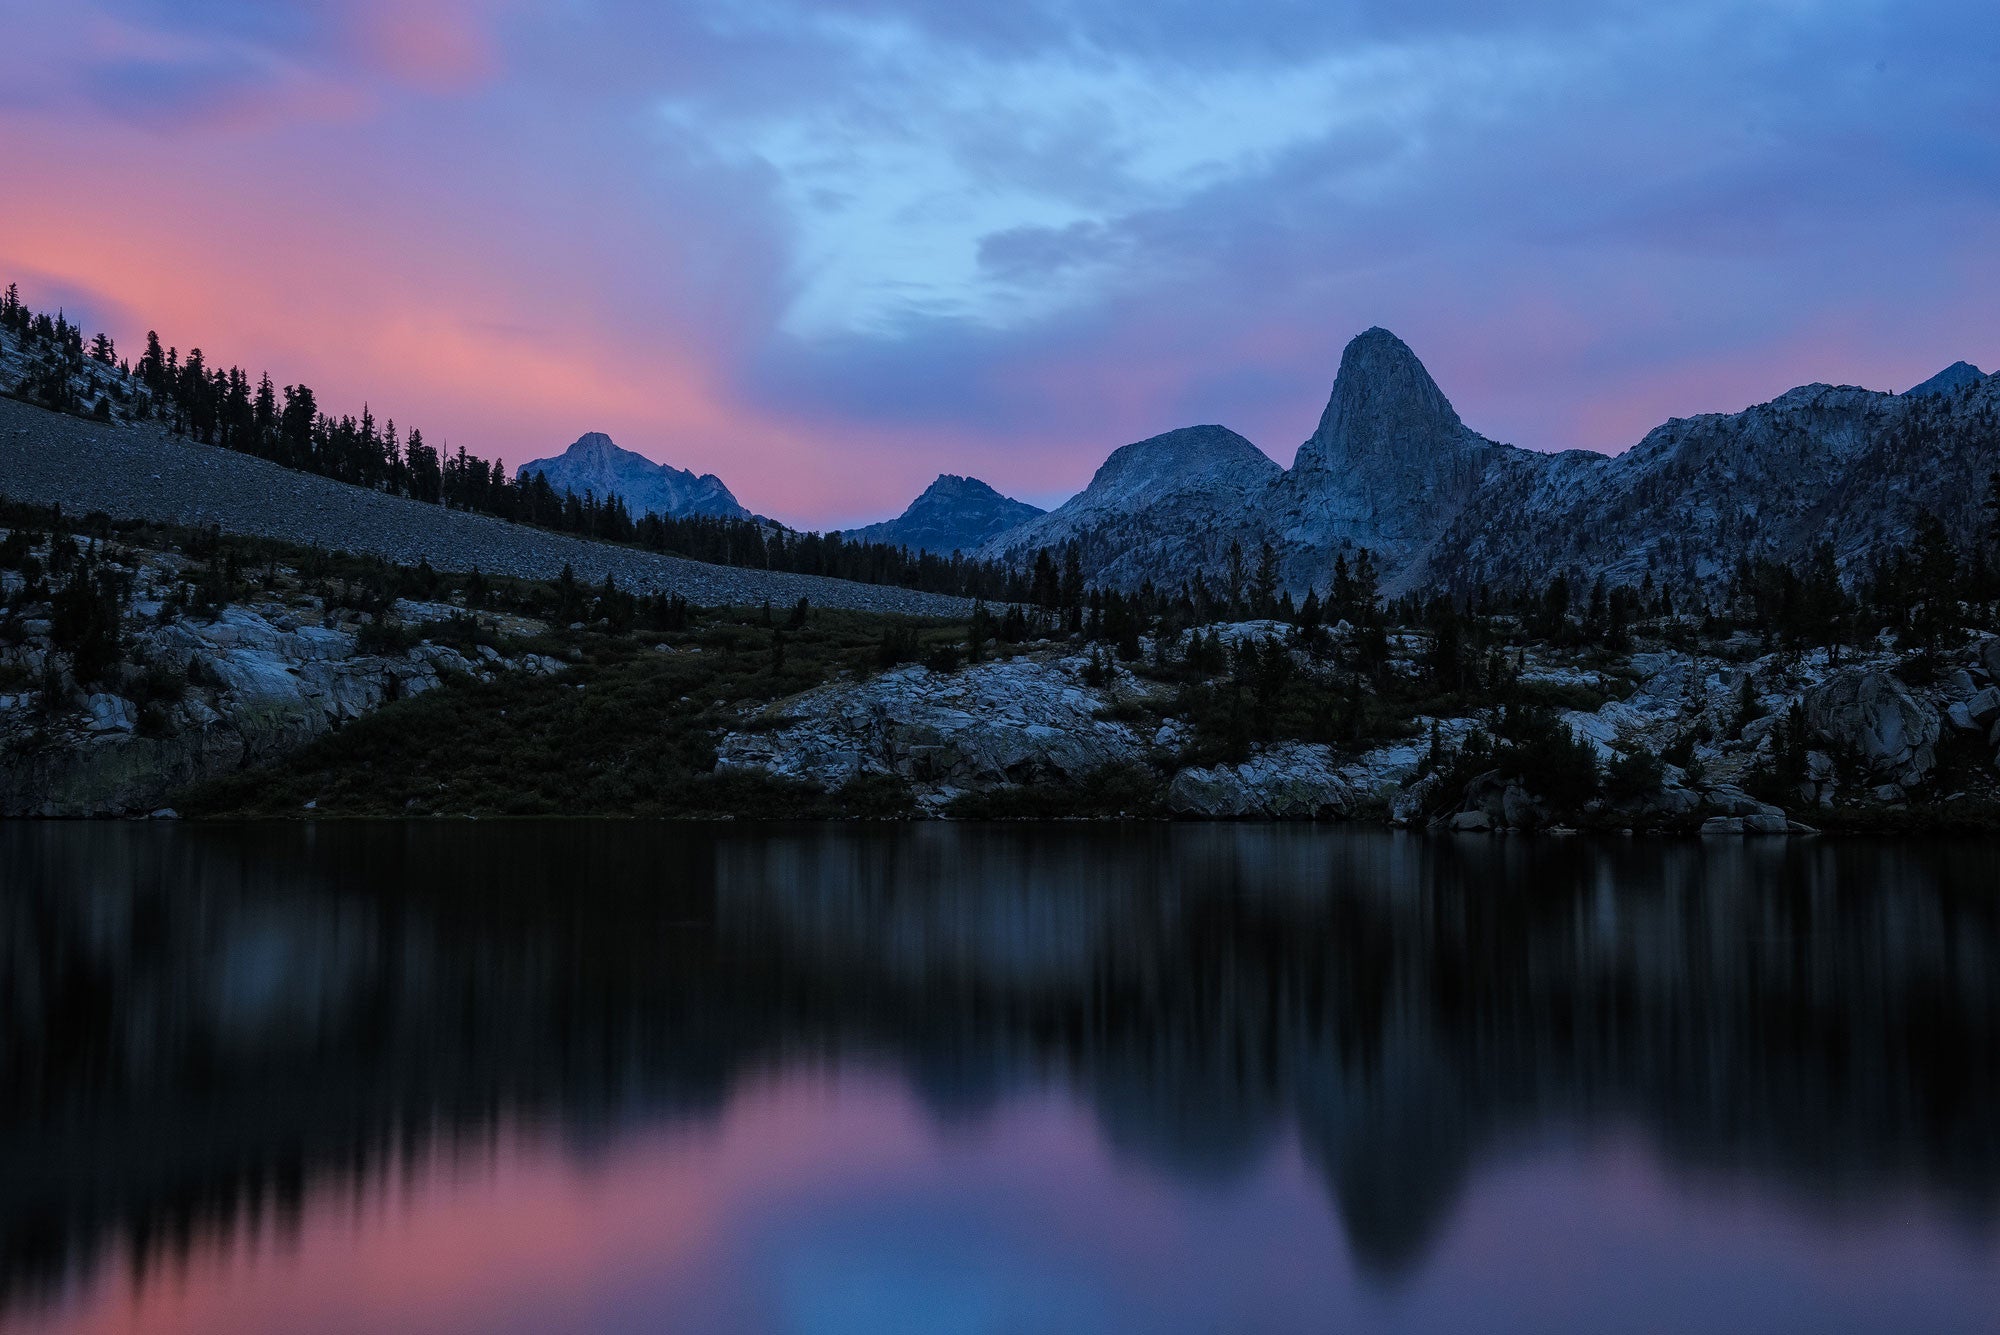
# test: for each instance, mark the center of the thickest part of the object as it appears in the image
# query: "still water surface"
(624, 1077)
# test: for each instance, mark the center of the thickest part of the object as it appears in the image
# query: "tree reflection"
(197, 1024)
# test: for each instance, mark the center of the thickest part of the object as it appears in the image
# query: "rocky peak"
(1163, 507)
(953, 514)
(597, 464)
(1388, 468)
(1386, 414)
(952, 487)
(1188, 457)
(594, 446)
(1948, 381)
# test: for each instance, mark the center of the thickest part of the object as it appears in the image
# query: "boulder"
(1471, 822)
(111, 713)
(1873, 716)
(1667, 800)
(1757, 729)
(1984, 706)
(1521, 809)
(1722, 825)
(1729, 801)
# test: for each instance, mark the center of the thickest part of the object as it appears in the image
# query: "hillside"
(140, 471)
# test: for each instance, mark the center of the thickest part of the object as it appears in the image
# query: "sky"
(829, 250)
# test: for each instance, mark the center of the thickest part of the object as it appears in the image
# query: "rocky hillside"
(121, 683)
(1058, 729)
(1821, 464)
(595, 465)
(140, 471)
(142, 667)
(954, 514)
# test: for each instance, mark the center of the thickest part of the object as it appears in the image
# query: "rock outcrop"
(1035, 718)
(1293, 780)
(1012, 721)
(1874, 719)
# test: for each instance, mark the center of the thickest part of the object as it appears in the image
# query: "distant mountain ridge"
(954, 514)
(1392, 468)
(595, 464)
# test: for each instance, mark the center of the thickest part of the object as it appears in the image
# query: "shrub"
(385, 638)
(1633, 775)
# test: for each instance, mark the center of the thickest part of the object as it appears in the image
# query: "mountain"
(1948, 381)
(1158, 509)
(1388, 465)
(1819, 464)
(1391, 467)
(954, 514)
(596, 465)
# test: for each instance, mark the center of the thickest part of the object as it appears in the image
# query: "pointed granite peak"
(599, 465)
(1385, 409)
(1948, 381)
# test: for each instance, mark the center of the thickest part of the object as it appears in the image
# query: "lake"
(1026, 1078)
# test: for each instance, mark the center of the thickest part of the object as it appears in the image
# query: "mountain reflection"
(198, 1024)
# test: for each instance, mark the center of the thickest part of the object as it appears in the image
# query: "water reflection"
(204, 1032)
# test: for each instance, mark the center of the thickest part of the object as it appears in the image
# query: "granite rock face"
(1389, 463)
(1874, 718)
(1292, 780)
(1012, 721)
(1036, 718)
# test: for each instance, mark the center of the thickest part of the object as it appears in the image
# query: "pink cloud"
(443, 46)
